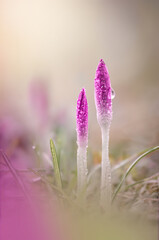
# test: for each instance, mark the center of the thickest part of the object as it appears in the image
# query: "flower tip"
(82, 95)
(83, 91)
(101, 61)
(102, 66)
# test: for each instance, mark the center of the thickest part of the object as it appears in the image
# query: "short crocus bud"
(103, 94)
(103, 101)
(82, 139)
(82, 119)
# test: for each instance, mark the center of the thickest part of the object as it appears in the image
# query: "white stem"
(81, 168)
(105, 199)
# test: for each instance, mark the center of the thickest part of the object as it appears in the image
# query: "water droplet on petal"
(112, 94)
(33, 147)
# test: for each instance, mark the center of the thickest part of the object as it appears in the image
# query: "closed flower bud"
(82, 119)
(103, 94)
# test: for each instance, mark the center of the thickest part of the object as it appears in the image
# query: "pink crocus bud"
(82, 140)
(103, 94)
(82, 119)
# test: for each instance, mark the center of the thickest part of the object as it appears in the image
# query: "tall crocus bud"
(103, 100)
(82, 139)
(103, 94)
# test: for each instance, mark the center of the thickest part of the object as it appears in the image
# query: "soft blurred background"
(61, 42)
(49, 50)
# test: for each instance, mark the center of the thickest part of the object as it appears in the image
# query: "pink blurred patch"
(40, 101)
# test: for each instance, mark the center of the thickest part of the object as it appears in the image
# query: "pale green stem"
(81, 168)
(105, 198)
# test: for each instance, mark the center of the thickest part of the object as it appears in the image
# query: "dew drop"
(112, 94)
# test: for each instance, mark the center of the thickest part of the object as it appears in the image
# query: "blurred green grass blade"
(130, 168)
(145, 180)
(55, 164)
